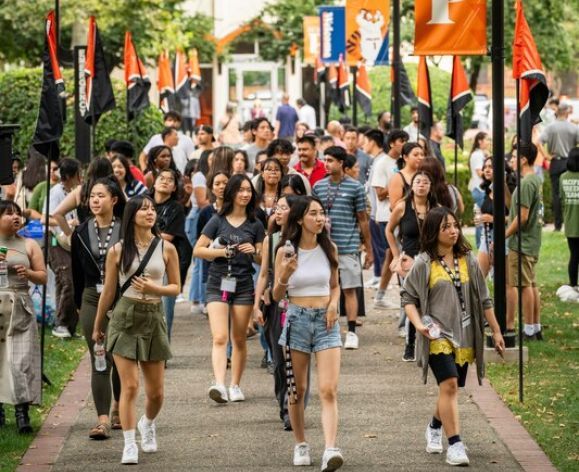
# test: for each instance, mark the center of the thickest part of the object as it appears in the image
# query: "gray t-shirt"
(252, 151)
(560, 137)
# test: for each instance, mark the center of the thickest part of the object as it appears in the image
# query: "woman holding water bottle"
(232, 241)
(446, 298)
(90, 242)
(21, 262)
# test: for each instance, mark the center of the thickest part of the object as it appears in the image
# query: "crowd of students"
(273, 234)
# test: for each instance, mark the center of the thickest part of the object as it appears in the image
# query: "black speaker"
(6, 133)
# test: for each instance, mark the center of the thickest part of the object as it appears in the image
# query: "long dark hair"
(438, 185)
(430, 198)
(35, 170)
(260, 187)
(210, 181)
(153, 153)
(129, 247)
(222, 160)
(203, 163)
(406, 150)
(233, 186)
(295, 182)
(290, 199)
(293, 229)
(486, 184)
(477, 139)
(176, 194)
(114, 189)
(99, 168)
(431, 228)
(129, 177)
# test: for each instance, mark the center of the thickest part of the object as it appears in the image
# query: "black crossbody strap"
(142, 265)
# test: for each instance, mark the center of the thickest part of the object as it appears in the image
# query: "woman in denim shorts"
(231, 240)
(310, 279)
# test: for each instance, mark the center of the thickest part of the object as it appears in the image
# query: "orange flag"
(136, 79)
(165, 82)
(363, 90)
(424, 98)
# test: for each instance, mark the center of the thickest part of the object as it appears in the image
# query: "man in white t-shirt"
(412, 127)
(182, 152)
(306, 113)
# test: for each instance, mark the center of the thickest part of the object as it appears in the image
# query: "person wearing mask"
(59, 249)
(90, 243)
(435, 141)
(262, 131)
(309, 279)
(446, 284)
(127, 150)
(146, 269)
(363, 159)
(306, 113)
(529, 229)
(560, 137)
(383, 173)
(285, 119)
(345, 205)
(20, 348)
(184, 148)
(412, 127)
(126, 179)
(171, 224)
(570, 203)
(232, 241)
(309, 166)
(205, 140)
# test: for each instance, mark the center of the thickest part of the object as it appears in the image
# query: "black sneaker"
(539, 335)
(264, 362)
(270, 368)
(287, 426)
(409, 355)
(528, 338)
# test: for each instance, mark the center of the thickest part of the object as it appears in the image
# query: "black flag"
(136, 79)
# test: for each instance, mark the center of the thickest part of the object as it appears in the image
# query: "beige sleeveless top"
(16, 255)
(155, 271)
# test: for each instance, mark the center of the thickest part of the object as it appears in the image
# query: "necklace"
(143, 245)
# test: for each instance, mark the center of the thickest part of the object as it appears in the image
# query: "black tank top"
(409, 230)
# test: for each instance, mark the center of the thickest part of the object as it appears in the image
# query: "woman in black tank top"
(408, 215)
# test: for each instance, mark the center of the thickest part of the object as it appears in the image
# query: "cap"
(3, 250)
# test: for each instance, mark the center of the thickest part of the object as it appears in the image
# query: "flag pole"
(519, 248)
(322, 89)
(498, 93)
(455, 163)
(396, 63)
(355, 104)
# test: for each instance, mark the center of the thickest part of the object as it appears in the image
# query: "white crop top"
(155, 271)
(312, 277)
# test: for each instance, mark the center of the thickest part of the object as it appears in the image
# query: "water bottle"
(218, 243)
(288, 249)
(100, 361)
(4, 269)
(433, 328)
(37, 303)
(477, 215)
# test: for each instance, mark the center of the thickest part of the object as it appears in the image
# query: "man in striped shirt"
(345, 203)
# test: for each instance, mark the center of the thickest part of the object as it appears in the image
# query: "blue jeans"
(196, 292)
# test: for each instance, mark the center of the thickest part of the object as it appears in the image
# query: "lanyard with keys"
(103, 248)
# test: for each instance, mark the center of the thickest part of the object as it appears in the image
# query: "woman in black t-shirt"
(232, 241)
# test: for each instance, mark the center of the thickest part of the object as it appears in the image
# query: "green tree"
(155, 24)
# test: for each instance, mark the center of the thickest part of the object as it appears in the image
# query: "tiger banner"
(367, 24)
(450, 27)
(311, 39)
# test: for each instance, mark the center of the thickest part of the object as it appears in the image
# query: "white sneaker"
(218, 393)
(197, 308)
(456, 454)
(402, 332)
(351, 341)
(180, 298)
(148, 435)
(374, 282)
(235, 394)
(130, 454)
(383, 302)
(61, 332)
(332, 459)
(302, 454)
(433, 440)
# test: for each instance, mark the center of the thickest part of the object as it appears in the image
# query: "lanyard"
(103, 247)
(457, 284)
(332, 194)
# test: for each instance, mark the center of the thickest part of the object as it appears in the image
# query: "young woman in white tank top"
(310, 279)
(137, 331)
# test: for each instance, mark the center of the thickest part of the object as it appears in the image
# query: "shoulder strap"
(142, 265)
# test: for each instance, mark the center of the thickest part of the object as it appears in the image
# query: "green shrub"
(19, 100)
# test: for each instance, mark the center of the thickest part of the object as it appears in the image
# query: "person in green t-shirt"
(529, 230)
(36, 205)
(570, 199)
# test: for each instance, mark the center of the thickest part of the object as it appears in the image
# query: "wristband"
(281, 283)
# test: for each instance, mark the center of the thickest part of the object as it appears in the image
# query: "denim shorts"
(244, 291)
(307, 330)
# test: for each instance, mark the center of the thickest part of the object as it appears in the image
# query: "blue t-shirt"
(342, 203)
(287, 117)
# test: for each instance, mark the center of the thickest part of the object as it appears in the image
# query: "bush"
(19, 100)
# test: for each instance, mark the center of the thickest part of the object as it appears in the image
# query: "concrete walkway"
(384, 409)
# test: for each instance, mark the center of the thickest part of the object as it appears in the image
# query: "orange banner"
(367, 31)
(311, 39)
(450, 27)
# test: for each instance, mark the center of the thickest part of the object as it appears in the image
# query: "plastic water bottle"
(36, 297)
(433, 328)
(288, 249)
(4, 269)
(218, 243)
(477, 214)
(100, 361)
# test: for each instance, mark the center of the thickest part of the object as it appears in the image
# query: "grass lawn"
(61, 358)
(550, 411)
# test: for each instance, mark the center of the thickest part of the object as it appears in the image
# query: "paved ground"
(383, 412)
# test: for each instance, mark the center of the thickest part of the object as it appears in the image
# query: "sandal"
(100, 431)
(115, 420)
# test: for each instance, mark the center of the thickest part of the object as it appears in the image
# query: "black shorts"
(444, 367)
(244, 291)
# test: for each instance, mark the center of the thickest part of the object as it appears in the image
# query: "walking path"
(384, 409)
